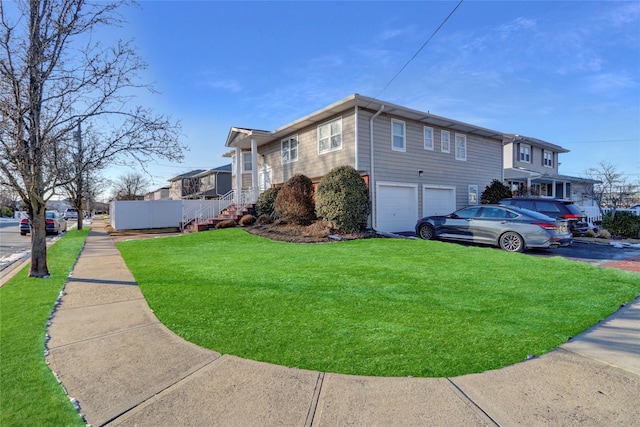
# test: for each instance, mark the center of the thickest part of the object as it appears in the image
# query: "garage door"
(438, 201)
(396, 207)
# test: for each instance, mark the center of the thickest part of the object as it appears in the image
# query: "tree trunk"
(38, 242)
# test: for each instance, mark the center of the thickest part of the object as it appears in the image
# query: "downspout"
(374, 215)
(356, 137)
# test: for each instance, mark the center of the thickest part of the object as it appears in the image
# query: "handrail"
(201, 215)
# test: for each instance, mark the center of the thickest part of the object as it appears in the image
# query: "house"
(531, 168)
(214, 183)
(185, 186)
(415, 163)
(161, 193)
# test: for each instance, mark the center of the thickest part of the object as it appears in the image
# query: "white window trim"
(244, 153)
(289, 139)
(404, 136)
(474, 197)
(522, 147)
(425, 130)
(544, 158)
(330, 149)
(442, 134)
(464, 139)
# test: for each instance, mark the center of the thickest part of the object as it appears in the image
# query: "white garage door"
(396, 207)
(438, 201)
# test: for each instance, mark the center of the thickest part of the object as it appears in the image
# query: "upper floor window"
(445, 141)
(289, 149)
(525, 153)
(247, 164)
(398, 133)
(428, 138)
(547, 158)
(461, 147)
(330, 136)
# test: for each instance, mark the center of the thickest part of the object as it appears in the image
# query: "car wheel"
(512, 242)
(427, 232)
(23, 233)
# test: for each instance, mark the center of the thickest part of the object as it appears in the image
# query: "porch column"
(238, 171)
(553, 188)
(254, 170)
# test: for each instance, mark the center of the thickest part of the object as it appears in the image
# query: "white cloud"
(228, 85)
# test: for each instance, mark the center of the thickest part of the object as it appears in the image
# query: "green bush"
(343, 200)
(624, 224)
(266, 203)
(294, 202)
(495, 192)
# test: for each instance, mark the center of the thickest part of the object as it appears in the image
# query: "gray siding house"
(415, 163)
(532, 169)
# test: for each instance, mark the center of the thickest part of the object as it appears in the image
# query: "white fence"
(141, 214)
(593, 213)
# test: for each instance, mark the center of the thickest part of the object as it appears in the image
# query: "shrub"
(247, 220)
(266, 203)
(343, 200)
(227, 223)
(294, 202)
(604, 234)
(495, 192)
(319, 229)
(624, 224)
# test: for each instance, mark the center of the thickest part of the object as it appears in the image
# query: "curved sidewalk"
(126, 369)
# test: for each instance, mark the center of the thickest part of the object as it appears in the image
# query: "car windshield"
(51, 215)
(573, 209)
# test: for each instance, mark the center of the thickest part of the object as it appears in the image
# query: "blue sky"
(564, 72)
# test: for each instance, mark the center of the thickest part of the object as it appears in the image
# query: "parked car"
(71, 213)
(555, 208)
(56, 224)
(512, 229)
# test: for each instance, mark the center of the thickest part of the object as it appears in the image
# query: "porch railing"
(205, 210)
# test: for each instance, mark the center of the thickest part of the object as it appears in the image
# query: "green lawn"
(29, 393)
(384, 307)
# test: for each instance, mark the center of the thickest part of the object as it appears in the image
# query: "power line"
(421, 47)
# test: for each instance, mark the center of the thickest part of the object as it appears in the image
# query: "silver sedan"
(512, 229)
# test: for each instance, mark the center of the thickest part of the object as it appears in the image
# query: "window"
(246, 162)
(548, 159)
(330, 136)
(525, 153)
(473, 194)
(428, 138)
(461, 147)
(289, 149)
(398, 135)
(445, 142)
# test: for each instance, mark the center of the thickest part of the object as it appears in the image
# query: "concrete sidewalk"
(126, 369)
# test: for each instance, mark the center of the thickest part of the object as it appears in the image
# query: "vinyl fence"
(142, 214)
(593, 213)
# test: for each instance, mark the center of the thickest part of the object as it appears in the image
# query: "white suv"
(71, 213)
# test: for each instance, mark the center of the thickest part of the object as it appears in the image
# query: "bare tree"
(53, 76)
(610, 187)
(130, 186)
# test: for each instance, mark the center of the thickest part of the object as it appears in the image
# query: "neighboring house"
(214, 183)
(185, 186)
(415, 163)
(159, 194)
(531, 168)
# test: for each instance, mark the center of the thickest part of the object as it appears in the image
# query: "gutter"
(374, 215)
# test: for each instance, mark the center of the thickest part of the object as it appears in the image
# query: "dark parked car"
(55, 224)
(555, 208)
(511, 228)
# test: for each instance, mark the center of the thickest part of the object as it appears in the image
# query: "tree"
(495, 192)
(53, 76)
(610, 187)
(130, 186)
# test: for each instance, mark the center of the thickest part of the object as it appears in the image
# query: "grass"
(382, 307)
(29, 392)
